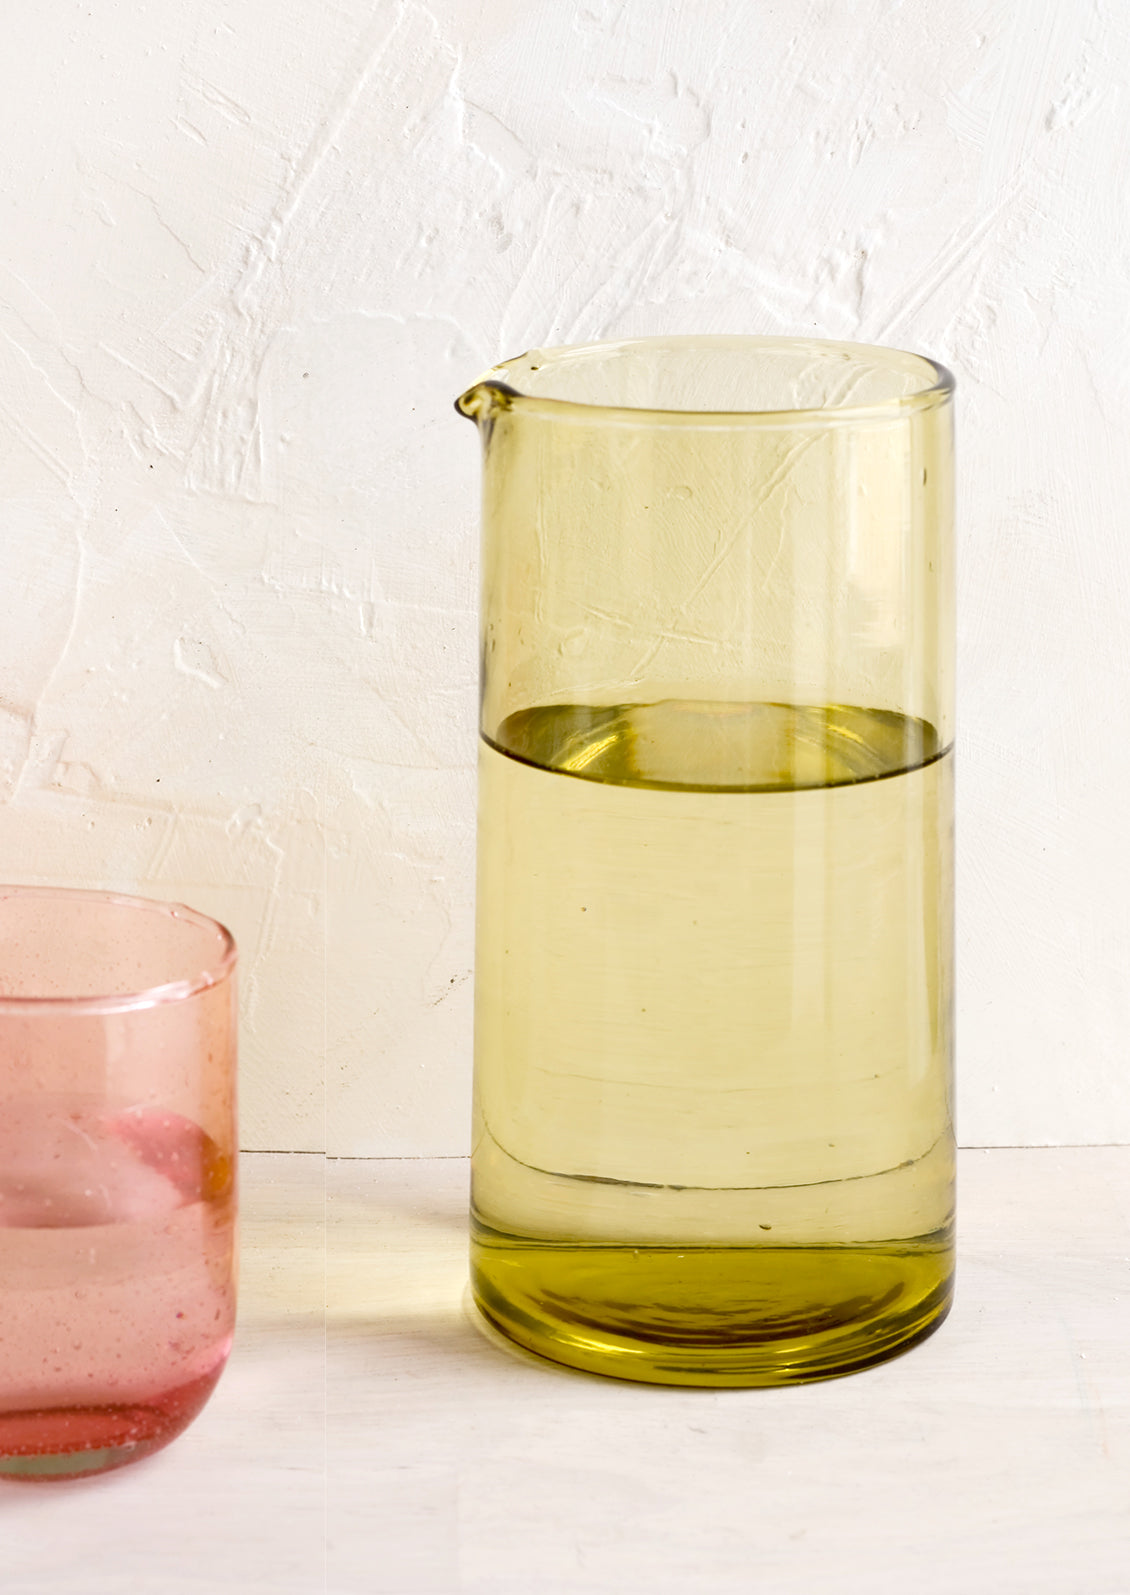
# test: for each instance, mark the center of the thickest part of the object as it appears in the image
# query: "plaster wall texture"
(248, 255)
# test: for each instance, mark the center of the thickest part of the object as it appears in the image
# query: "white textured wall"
(248, 254)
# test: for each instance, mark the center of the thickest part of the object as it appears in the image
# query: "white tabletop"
(369, 1439)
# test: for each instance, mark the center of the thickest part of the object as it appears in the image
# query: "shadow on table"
(424, 1341)
(398, 1303)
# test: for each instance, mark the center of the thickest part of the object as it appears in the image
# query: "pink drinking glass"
(117, 1175)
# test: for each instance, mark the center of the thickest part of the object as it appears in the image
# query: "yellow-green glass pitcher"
(713, 1138)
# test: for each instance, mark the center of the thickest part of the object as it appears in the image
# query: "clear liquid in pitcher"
(713, 1141)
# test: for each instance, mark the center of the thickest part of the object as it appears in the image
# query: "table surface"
(368, 1436)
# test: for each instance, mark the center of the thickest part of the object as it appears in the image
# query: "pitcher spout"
(483, 401)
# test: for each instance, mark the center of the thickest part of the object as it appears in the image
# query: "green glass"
(713, 1136)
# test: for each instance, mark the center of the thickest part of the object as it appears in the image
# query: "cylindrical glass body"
(117, 1176)
(713, 1136)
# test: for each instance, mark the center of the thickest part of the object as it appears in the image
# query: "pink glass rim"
(217, 971)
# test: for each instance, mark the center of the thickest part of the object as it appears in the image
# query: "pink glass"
(117, 1176)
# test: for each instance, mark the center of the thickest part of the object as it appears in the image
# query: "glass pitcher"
(713, 1138)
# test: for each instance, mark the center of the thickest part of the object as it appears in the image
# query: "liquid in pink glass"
(117, 1302)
